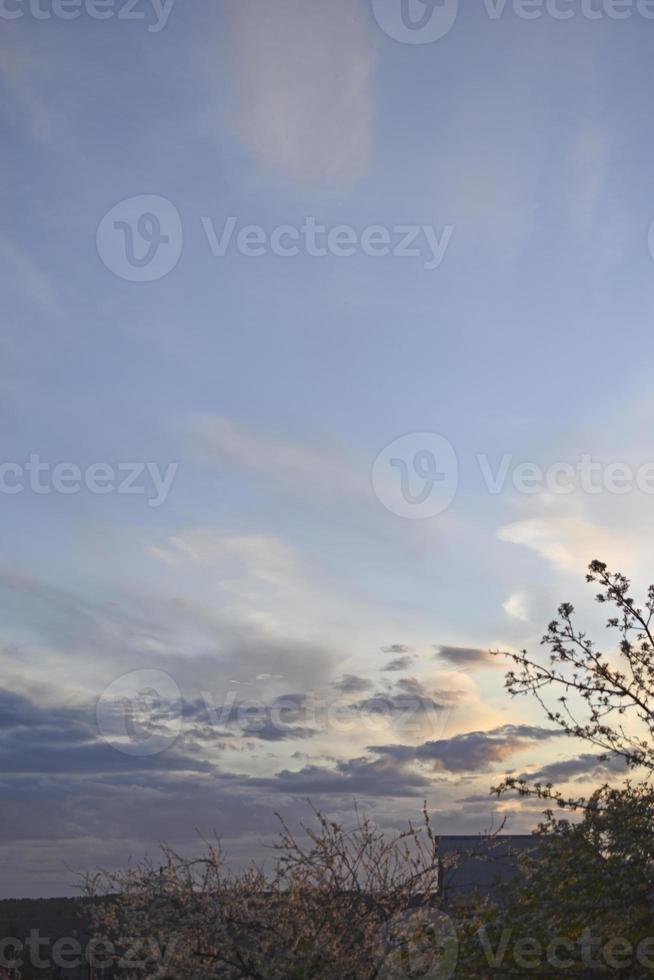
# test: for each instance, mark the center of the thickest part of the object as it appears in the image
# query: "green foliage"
(585, 898)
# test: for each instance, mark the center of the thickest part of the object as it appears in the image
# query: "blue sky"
(272, 384)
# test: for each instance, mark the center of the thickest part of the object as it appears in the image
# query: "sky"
(325, 369)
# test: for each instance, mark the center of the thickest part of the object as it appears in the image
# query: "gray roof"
(476, 863)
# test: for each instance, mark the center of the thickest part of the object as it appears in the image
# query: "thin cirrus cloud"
(264, 558)
(300, 86)
(32, 284)
(201, 646)
(214, 440)
(27, 77)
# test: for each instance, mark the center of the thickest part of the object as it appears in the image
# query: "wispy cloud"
(300, 86)
(570, 540)
(33, 285)
(516, 607)
(219, 441)
(27, 75)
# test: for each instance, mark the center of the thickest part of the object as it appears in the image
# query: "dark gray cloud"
(357, 777)
(581, 766)
(472, 751)
(466, 656)
(69, 796)
(391, 704)
(65, 791)
(352, 684)
(18, 711)
(17, 756)
(400, 663)
(404, 700)
(411, 685)
(45, 739)
(63, 822)
(270, 730)
(277, 721)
